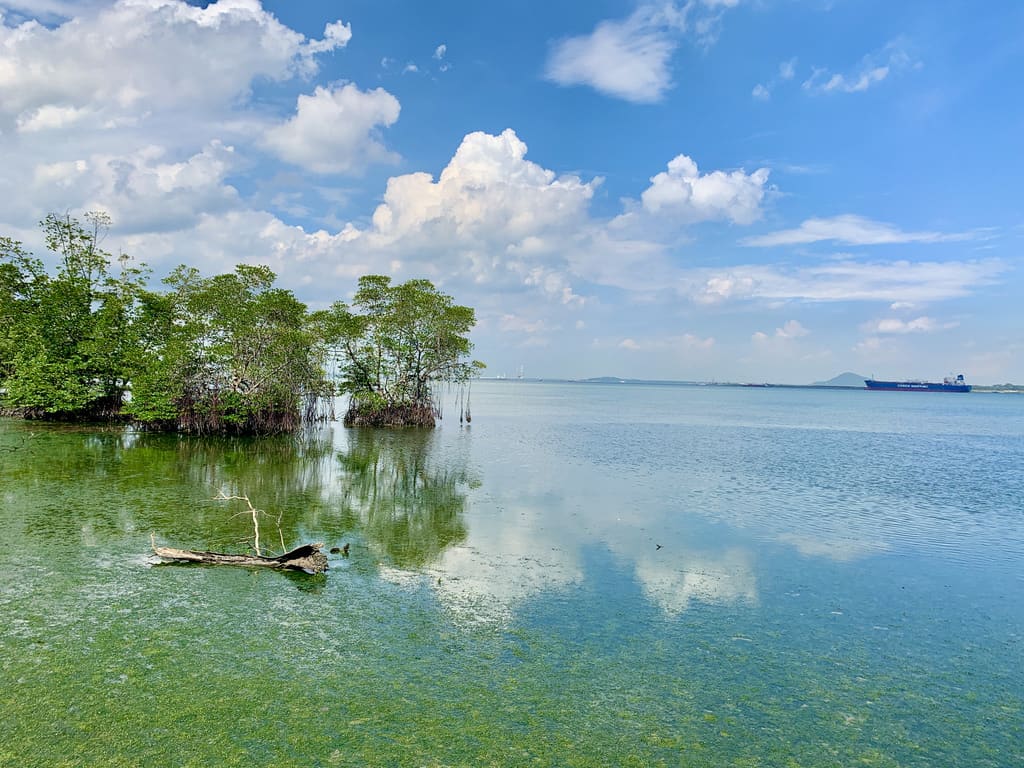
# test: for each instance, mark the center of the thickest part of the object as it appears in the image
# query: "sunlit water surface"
(587, 575)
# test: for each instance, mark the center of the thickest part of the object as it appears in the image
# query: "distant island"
(846, 379)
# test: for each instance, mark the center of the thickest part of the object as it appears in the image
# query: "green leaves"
(402, 339)
(66, 338)
(233, 354)
(226, 354)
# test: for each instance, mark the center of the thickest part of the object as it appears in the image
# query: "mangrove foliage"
(228, 354)
(397, 342)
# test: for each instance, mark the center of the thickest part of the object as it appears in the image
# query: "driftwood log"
(306, 558)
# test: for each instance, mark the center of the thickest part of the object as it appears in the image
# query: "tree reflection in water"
(393, 489)
(80, 483)
(408, 499)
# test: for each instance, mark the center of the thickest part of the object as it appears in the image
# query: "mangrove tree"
(228, 354)
(398, 342)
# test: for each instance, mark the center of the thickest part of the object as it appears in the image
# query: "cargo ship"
(948, 384)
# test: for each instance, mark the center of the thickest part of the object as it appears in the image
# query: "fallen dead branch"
(306, 558)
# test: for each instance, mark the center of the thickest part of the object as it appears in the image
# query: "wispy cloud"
(872, 69)
(896, 281)
(630, 58)
(895, 325)
(785, 72)
(791, 330)
(690, 342)
(511, 323)
(439, 55)
(849, 229)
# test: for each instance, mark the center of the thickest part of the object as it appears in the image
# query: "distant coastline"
(616, 380)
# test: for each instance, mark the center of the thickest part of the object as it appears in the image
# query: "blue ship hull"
(918, 386)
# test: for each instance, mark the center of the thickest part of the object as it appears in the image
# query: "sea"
(578, 574)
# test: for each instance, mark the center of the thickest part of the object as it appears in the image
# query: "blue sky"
(745, 190)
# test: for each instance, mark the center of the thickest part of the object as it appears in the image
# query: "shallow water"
(587, 575)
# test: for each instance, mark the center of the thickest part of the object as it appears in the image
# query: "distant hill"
(843, 380)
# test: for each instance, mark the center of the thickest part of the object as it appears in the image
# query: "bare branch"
(221, 496)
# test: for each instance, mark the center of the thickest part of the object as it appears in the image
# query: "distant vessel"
(948, 384)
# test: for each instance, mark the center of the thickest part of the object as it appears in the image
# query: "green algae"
(106, 660)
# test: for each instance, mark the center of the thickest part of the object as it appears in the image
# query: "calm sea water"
(588, 575)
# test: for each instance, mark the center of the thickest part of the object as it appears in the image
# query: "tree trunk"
(306, 558)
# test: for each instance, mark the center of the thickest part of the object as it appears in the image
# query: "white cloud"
(722, 287)
(48, 10)
(787, 346)
(691, 341)
(791, 330)
(873, 69)
(143, 189)
(896, 281)
(687, 196)
(893, 325)
(870, 346)
(510, 323)
(490, 200)
(491, 221)
(687, 342)
(336, 35)
(336, 131)
(49, 117)
(822, 81)
(631, 58)
(628, 59)
(95, 95)
(218, 241)
(785, 72)
(440, 51)
(114, 58)
(851, 230)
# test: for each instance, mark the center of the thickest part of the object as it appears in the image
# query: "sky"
(711, 190)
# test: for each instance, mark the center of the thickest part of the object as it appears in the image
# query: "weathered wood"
(306, 558)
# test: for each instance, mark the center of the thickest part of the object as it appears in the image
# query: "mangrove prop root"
(390, 416)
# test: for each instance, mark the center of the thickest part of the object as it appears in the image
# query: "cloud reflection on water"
(526, 528)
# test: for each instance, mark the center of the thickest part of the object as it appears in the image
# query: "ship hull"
(915, 386)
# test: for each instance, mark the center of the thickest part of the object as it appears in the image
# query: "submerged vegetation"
(229, 354)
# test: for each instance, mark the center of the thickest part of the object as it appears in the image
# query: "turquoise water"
(587, 575)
